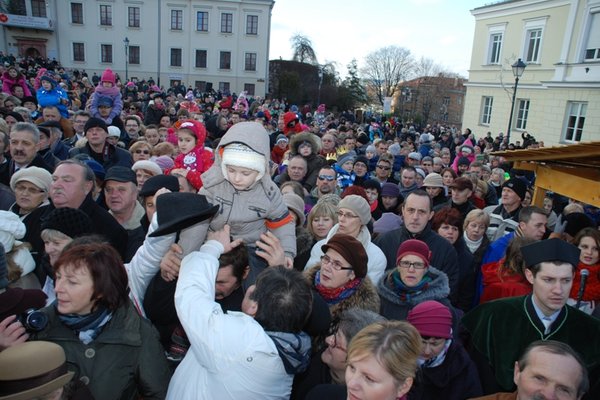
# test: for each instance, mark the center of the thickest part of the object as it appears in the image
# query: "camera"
(33, 320)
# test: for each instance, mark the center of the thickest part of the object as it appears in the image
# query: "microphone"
(584, 275)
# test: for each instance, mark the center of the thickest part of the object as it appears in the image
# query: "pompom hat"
(240, 155)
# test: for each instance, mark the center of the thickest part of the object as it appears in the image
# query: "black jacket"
(112, 156)
(7, 169)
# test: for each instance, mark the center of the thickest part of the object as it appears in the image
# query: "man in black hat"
(99, 149)
(58, 148)
(500, 330)
(505, 217)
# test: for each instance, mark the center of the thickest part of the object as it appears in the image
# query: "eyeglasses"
(142, 152)
(334, 328)
(30, 190)
(415, 265)
(132, 109)
(335, 264)
(327, 178)
(384, 168)
(341, 214)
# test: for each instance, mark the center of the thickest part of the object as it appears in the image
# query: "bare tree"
(303, 50)
(385, 69)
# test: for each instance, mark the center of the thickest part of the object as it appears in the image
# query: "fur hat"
(108, 76)
(433, 180)
(352, 250)
(416, 248)
(164, 162)
(11, 229)
(358, 205)
(240, 155)
(148, 165)
(69, 221)
(517, 185)
(38, 176)
(432, 319)
(296, 204)
(33, 370)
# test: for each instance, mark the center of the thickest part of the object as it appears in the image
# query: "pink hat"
(416, 248)
(196, 127)
(432, 319)
(108, 76)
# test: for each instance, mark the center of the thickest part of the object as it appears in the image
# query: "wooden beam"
(576, 184)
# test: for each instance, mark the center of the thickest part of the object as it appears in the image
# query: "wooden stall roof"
(570, 170)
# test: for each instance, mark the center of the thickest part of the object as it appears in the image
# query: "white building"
(220, 44)
(558, 96)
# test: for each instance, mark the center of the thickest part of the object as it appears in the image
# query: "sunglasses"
(142, 152)
(327, 178)
(384, 168)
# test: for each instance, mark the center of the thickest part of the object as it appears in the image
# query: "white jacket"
(231, 356)
(377, 261)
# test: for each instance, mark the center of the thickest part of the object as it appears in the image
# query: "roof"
(575, 155)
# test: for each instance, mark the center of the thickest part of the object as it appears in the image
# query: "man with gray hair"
(24, 139)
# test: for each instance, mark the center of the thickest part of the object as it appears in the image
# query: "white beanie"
(149, 166)
(240, 155)
(11, 228)
(113, 131)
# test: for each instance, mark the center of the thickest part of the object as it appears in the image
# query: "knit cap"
(362, 159)
(387, 222)
(11, 228)
(93, 123)
(415, 156)
(464, 161)
(358, 205)
(370, 149)
(416, 248)
(281, 137)
(147, 165)
(432, 319)
(240, 155)
(164, 162)
(68, 221)
(390, 189)
(351, 250)
(394, 149)
(296, 204)
(38, 176)
(108, 76)
(433, 180)
(517, 185)
(48, 76)
(105, 101)
(113, 131)
(197, 128)
(344, 158)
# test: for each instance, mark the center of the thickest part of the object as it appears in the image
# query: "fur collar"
(438, 289)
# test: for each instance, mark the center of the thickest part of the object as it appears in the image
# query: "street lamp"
(518, 68)
(320, 83)
(126, 42)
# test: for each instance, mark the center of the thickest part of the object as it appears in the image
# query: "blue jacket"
(53, 97)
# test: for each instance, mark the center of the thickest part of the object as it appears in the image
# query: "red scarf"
(334, 296)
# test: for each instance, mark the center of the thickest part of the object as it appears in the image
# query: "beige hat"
(433, 180)
(296, 204)
(359, 205)
(36, 175)
(149, 166)
(32, 369)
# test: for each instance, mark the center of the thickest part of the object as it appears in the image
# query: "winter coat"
(114, 94)
(455, 379)
(153, 115)
(314, 161)
(111, 157)
(443, 255)
(365, 297)
(124, 362)
(8, 83)
(53, 97)
(496, 286)
(376, 258)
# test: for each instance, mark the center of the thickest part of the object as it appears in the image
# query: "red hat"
(108, 76)
(227, 102)
(196, 127)
(416, 248)
(432, 319)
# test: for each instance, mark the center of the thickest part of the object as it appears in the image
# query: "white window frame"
(574, 121)
(207, 21)
(494, 31)
(522, 114)
(533, 25)
(593, 17)
(73, 50)
(487, 104)
(175, 12)
(82, 12)
(224, 25)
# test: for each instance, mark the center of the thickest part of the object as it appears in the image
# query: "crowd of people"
(183, 244)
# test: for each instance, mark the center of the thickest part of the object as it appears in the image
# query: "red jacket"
(497, 286)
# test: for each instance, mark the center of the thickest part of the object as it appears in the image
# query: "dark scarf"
(408, 293)
(334, 296)
(88, 326)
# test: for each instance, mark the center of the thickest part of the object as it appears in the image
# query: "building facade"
(207, 44)
(558, 95)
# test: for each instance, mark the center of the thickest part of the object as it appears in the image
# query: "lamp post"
(320, 83)
(518, 68)
(126, 42)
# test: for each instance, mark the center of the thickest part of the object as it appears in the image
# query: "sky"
(341, 30)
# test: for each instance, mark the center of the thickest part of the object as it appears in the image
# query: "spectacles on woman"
(30, 190)
(383, 167)
(415, 265)
(325, 259)
(341, 214)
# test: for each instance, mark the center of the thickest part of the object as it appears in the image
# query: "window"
(592, 48)
(176, 20)
(252, 25)
(38, 8)
(250, 62)
(495, 48)
(249, 88)
(486, 110)
(522, 113)
(532, 42)
(134, 54)
(105, 15)
(16, 7)
(106, 53)
(226, 23)
(175, 57)
(202, 21)
(78, 52)
(200, 85)
(201, 56)
(225, 60)
(575, 121)
(446, 101)
(223, 87)
(133, 17)
(77, 13)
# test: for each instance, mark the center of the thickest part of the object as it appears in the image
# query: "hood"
(294, 350)
(438, 289)
(298, 138)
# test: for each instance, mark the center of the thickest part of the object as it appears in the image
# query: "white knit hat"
(11, 228)
(38, 176)
(240, 155)
(147, 165)
(113, 131)
(359, 205)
